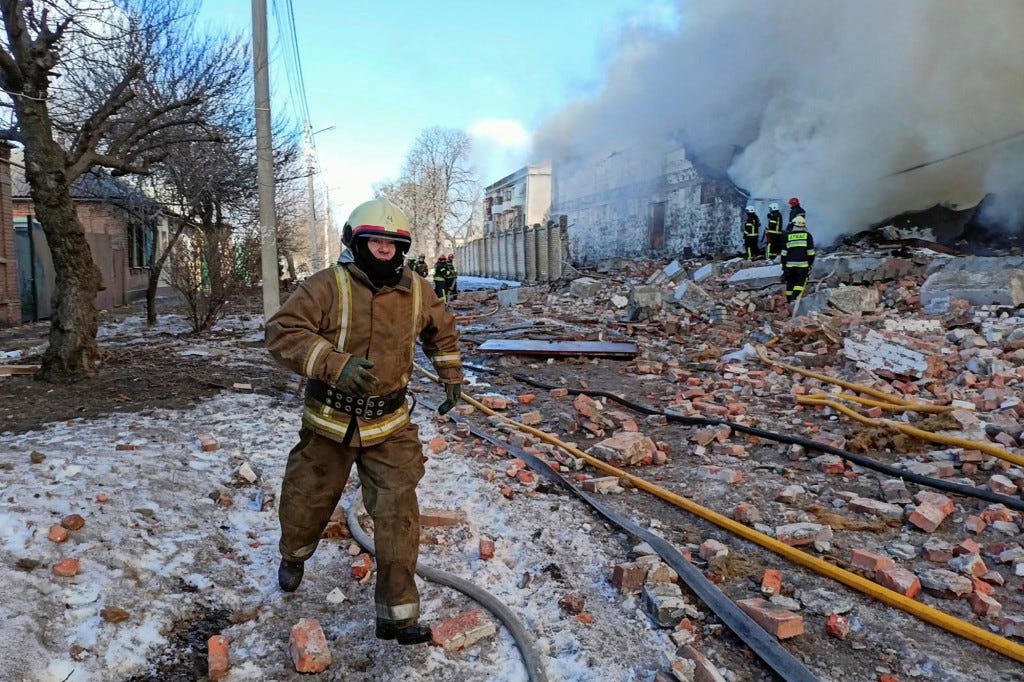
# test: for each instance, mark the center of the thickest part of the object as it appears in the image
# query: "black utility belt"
(369, 407)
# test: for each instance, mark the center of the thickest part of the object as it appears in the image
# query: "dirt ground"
(134, 377)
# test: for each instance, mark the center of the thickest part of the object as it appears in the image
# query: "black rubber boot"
(289, 575)
(410, 634)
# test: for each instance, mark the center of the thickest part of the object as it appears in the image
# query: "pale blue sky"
(383, 70)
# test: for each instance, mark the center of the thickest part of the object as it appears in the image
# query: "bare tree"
(109, 83)
(438, 189)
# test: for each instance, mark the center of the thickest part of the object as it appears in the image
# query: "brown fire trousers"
(315, 476)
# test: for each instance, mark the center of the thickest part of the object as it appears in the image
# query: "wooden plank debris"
(605, 349)
(10, 370)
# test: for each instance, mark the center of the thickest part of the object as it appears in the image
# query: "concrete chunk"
(584, 287)
(979, 287)
(756, 278)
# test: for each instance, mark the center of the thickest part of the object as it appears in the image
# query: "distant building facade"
(522, 199)
(630, 203)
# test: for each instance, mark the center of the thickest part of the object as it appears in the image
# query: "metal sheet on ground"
(610, 349)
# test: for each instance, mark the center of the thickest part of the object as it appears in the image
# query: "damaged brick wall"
(629, 203)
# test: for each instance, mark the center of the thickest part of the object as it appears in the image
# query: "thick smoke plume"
(828, 100)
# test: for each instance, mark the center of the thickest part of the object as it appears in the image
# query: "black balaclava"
(381, 273)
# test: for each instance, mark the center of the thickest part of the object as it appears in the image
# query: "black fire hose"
(860, 460)
(761, 643)
(523, 639)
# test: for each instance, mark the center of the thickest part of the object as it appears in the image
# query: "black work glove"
(452, 394)
(356, 379)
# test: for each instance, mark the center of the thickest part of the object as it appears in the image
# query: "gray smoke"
(827, 100)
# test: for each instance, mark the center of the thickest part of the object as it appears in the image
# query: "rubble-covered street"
(133, 533)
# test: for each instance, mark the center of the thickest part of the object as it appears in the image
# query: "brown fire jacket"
(336, 314)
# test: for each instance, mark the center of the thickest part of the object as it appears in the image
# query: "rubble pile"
(918, 326)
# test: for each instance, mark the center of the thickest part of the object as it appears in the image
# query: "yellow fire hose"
(859, 388)
(889, 407)
(987, 448)
(926, 613)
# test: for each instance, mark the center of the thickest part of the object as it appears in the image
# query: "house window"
(140, 242)
(707, 192)
(657, 225)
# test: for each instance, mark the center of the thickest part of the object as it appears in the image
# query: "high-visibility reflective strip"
(317, 350)
(387, 426)
(797, 264)
(344, 305)
(398, 612)
(417, 301)
(447, 358)
(338, 429)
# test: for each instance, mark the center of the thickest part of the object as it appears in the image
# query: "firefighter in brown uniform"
(351, 330)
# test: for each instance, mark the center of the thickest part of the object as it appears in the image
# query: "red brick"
(463, 630)
(629, 577)
(101, 498)
(217, 656)
(437, 445)
(526, 398)
(362, 566)
(125, 447)
(440, 518)
(526, 477)
(927, 517)
(943, 503)
(869, 561)
(984, 605)
(207, 442)
(596, 485)
(559, 392)
(494, 402)
(974, 524)
(57, 533)
(837, 626)
(308, 647)
(899, 580)
(66, 568)
(777, 621)
(486, 549)
(771, 582)
(73, 522)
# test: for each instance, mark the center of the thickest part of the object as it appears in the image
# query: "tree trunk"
(156, 267)
(72, 353)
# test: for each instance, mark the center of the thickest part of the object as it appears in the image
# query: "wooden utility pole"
(265, 161)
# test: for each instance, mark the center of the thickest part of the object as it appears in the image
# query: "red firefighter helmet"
(794, 202)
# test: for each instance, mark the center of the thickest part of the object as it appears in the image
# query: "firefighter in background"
(451, 283)
(441, 277)
(351, 330)
(773, 230)
(420, 266)
(752, 234)
(795, 209)
(797, 258)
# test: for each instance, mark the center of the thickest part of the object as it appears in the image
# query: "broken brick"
(899, 580)
(869, 561)
(463, 630)
(777, 621)
(217, 657)
(308, 647)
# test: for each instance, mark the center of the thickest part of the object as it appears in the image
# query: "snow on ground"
(469, 283)
(164, 549)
